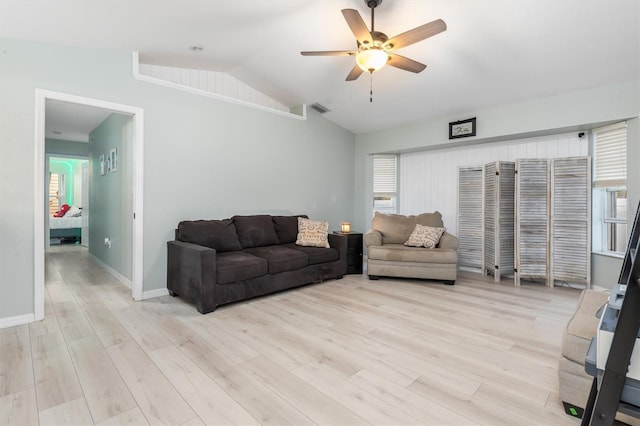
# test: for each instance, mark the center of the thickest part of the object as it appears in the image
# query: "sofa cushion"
(582, 326)
(395, 228)
(402, 253)
(317, 255)
(255, 231)
(280, 258)
(238, 266)
(312, 233)
(287, 228)
(216, 234)
(424, 236)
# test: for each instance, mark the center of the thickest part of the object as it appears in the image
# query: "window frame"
(608, 181)
(611, 237)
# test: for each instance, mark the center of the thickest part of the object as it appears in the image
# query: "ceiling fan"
(374, 48)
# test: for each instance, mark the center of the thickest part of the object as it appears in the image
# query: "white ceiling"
(494, 52)
(71, 122)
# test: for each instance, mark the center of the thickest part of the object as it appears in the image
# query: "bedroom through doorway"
(67, 203)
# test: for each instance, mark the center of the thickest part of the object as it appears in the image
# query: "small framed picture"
(102, 165)
(462, 128)
(113, 157)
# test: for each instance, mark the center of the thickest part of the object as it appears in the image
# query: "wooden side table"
(354, 251)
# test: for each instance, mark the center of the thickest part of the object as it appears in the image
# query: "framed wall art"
(113, 159)
(462, 128)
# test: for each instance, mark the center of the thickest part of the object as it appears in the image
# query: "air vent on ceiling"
(320, 108)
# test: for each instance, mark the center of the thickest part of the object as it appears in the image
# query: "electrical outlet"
(107, 242)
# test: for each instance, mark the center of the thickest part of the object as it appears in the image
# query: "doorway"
(42, 194)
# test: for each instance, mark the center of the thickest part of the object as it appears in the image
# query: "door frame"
(41, 96)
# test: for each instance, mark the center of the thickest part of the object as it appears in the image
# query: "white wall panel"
(429, 179)
(212, 81)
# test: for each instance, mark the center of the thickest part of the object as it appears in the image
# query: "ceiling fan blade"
(417, 34)
(405, 63)
(328, 53)
(355, 73)
(357, 25)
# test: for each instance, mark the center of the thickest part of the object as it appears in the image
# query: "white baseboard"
(17, 320)
(155, 293)
(124, 280)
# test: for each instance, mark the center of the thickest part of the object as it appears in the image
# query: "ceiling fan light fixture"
(371, 60)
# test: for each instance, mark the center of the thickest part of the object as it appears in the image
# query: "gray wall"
(203, 158)
(111, 195)
(583, 109)
(66, 148)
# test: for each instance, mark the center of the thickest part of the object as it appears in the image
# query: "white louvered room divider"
(470, 232)
(553, 205)
(570, 241)
(499, 201)
(532, 220)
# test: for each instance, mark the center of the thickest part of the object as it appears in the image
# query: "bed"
(65, 228)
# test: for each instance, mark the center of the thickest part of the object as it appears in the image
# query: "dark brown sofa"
(215, 262)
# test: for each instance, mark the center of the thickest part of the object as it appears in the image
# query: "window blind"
(385, 174)
(610, 155)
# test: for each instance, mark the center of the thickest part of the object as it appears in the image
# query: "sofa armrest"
(448, 241)
(339, 242)
(372, 238)
(191, 273)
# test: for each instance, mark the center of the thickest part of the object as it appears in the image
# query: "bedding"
(65, 228)
(65, 222)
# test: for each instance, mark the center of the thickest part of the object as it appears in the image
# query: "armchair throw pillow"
(425, 236)
(312, 233)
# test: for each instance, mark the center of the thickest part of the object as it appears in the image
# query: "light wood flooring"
(344, 352)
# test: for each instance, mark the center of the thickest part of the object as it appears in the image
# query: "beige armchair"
(388, 256)
(574, 382)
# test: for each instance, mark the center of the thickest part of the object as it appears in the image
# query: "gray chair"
(388, 256)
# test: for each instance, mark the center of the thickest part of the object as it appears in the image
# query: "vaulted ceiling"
(494, 52)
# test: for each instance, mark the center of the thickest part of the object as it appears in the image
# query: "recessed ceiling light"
(196, 48)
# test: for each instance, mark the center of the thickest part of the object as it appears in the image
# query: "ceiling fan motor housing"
(379, 38)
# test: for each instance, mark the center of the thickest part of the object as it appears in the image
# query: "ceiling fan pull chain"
(371, 87)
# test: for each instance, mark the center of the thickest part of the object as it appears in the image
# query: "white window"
(615, 219)
(56, 188)
(385, 183)
(610, 188)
